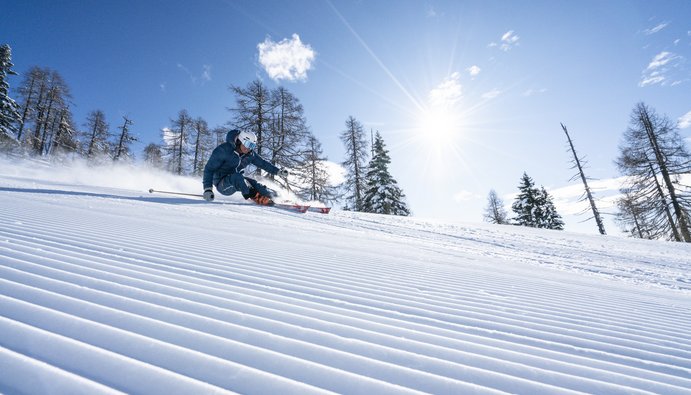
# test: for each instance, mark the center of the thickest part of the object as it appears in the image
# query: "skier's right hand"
(209, 194)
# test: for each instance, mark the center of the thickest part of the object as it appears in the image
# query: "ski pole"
(175, 193)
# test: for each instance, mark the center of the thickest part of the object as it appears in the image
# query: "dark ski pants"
(236, 182)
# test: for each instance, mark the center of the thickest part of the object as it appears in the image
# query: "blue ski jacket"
(225, 160)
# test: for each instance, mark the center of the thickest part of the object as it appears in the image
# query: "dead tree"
(588, 194)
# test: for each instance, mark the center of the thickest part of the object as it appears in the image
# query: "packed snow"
(105, 288)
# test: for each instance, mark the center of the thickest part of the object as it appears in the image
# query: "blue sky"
(467, 94)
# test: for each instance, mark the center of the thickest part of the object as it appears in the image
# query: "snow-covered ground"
(105, 288)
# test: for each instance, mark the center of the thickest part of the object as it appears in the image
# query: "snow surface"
(105, 288)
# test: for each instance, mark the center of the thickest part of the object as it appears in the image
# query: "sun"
(439, 126)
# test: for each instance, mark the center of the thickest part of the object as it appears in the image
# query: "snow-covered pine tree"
(9, 110)
(382, 193)
(534, 207)
(550, 219)
(526, 202)
(356, 153)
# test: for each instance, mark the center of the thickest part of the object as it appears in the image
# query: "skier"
(226, 165)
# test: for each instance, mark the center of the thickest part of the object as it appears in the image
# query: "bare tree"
(253, 111)
(495, 212)
(578, 164)
(202, 145)
(122, 148)
(176, 142)
(97, 134)
(355, 141)
(654, 158)
(312, 176)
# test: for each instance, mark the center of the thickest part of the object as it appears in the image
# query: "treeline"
(655, 202)
(40, 123)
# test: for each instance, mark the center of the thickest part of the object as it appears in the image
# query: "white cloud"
(685, 120)
(663, 69)
(474, 70)
(448, 93)
(655, 29)
(288, 59)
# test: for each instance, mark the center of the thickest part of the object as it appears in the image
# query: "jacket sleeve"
(264, 165)
(212, 165)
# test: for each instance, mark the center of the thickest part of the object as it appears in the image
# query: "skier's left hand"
(283, 173)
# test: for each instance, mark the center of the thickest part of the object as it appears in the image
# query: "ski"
(295, 207)
(321, 210)
(298, 208)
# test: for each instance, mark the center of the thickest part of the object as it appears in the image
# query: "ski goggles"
(249, 144)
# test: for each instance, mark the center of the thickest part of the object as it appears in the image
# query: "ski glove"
(283, 173)
(209, 194)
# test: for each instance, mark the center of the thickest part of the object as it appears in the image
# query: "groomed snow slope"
(107, 290)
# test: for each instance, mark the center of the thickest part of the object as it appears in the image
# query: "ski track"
(106, 290)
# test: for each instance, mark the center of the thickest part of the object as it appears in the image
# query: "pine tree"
(9, 110)
(382, 193)
(534, 207)
(495, 212)
(526, 203)
(549, 218)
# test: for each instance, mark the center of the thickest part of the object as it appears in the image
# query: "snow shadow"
(151, 199)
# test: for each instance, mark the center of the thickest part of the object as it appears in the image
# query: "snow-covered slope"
(106, 290)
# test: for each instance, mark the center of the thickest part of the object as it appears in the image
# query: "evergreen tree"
(534, 207)
(353, 137)
(495, 212)
(382, 194)
(9, 110)
(549, 218)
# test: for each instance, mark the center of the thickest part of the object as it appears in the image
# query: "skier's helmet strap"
(248, 139)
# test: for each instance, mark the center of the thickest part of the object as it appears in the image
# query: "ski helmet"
(248, 139)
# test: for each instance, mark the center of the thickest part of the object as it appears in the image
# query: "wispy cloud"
(204, 76)
(685, 121)
(662, 70)
(491, 94)
(508, 41)
(288, 59)
(655, 29)
(533, 92)
(464, 196)
(448, 93)
(206, 72)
